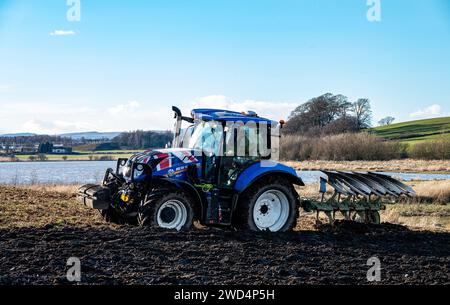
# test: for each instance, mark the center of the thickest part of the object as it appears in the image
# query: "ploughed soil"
(35, 246)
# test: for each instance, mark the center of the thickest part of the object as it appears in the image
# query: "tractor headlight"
(141, 172)
(138, 171)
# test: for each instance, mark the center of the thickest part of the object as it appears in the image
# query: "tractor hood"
(172, 162)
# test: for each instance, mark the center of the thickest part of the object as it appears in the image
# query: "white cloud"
(127, 108)
(62, 33)
(271, 110)
(428, 112)
(53, 118)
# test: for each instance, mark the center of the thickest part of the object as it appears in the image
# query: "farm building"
(61, 150)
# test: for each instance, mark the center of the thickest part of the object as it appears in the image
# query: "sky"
(121, 65)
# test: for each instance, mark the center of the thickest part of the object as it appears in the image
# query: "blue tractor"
(218, 171)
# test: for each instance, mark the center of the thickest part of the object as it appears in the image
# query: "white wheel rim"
(271, 211)
(172, 215)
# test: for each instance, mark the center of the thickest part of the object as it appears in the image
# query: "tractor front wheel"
(269, 205)
(167, 209)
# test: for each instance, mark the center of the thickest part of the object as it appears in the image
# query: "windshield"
(206, 136)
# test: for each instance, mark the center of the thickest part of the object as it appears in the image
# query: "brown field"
(40, 205)
(404, 165)
(37, 206)
(42, 226)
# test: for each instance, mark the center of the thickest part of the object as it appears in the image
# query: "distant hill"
(13, 135)
(415, 131)
(92, 135)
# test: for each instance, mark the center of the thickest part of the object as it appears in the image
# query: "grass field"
(416, 131)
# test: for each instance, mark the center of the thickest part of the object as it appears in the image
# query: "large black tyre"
(167, 208)
(274, 195)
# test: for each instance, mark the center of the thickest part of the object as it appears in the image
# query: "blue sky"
(125, 63)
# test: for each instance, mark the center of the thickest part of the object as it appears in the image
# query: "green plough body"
(357, 196)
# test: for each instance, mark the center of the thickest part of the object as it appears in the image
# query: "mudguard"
(259, 170)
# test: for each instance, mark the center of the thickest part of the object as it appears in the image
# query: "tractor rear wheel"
(170, 209)
(269, 205)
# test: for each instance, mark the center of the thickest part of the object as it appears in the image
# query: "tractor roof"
(227, 115)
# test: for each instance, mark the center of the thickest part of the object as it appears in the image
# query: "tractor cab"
(228, 142)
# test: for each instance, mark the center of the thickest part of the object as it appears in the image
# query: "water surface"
(81, 172)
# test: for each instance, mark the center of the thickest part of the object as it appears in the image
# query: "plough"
(357, 196)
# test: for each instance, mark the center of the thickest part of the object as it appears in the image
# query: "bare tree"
(42, 157)
(386, 121)
(318, 112)
(363, 113)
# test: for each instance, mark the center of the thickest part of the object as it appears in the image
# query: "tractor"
(221, 170)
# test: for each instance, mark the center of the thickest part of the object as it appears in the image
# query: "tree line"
(140, 139)
(36, 139)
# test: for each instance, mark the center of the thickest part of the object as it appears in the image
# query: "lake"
(81, 172)
(70, 172)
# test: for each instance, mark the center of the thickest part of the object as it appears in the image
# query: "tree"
(42, 157)
(329, 114)
(45, 148)
(316, 113)
(386, 121)
(314, 116)
(344, 106)
(363, 113)
(341, 125)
